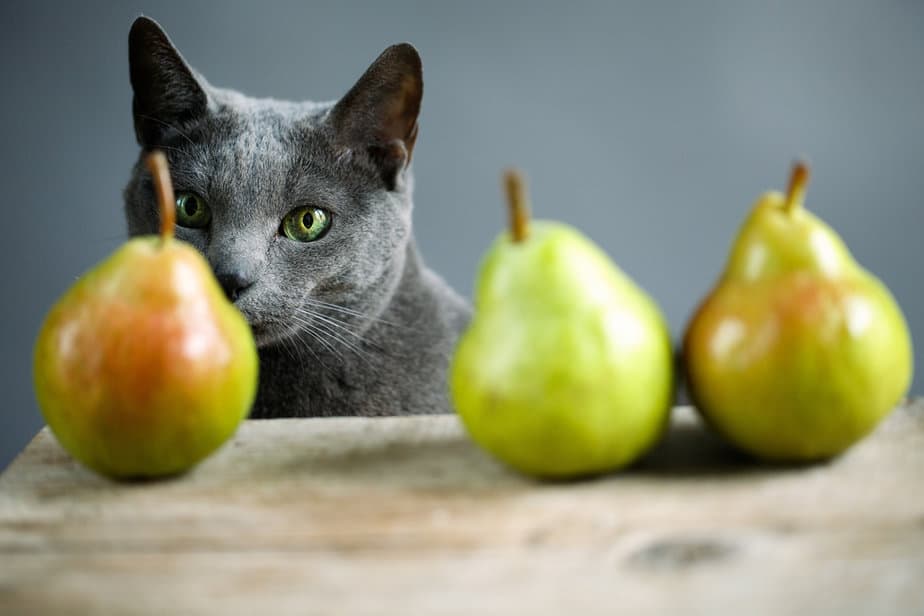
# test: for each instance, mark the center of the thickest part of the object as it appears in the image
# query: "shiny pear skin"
(143, 368)
(566, 369)
(798, 352)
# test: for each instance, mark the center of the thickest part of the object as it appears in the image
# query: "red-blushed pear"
(143, 368)
(798, 352)
(566, 368)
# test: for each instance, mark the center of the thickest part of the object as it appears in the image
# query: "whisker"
(167, 124)
(319, 302)
(171, 148)
(349, 345)
(336, 308)
(291, 350)
(299, 349)
(315, 332)
(336, 337)
(341, 325)
(350, 311)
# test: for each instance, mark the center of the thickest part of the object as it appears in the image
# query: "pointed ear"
(378, 116)
(167, 94)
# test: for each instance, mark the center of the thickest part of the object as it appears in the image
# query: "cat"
(303, 211)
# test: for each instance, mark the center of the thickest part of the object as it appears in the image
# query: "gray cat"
(303, 211)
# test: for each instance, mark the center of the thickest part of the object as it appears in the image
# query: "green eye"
(306, 224)
(192, 211)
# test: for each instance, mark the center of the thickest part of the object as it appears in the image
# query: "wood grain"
(405, 516)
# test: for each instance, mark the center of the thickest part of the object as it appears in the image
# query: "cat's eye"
(192, 211)
(306, 224)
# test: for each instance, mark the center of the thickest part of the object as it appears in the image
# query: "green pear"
(798, 352)
(566, 368)
(143, 368)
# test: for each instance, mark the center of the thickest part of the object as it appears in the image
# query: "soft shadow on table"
(691, 450)
(688, 450)
(432, 461)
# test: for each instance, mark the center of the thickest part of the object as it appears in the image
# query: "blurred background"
(652, 126)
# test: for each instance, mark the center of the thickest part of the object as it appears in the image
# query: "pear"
(143, 368)
(798, 352)
(566, 368)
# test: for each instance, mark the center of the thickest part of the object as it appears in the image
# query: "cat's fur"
(379, 343)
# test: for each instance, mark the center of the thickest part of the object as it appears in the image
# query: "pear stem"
(517, 204)
(798, 180)
(166, 201)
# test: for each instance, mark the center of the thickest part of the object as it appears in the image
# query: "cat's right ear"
(166, 93)
(378, 116)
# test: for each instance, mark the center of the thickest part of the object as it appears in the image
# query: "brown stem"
(166, 201)
(798, 180)
(517, 204)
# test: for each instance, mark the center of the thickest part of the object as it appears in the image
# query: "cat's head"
(293, 204)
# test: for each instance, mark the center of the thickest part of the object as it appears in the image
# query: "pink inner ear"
(409, 142)
(378, 116)
(399, 117)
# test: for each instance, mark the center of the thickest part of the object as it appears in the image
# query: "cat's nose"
(233, 283)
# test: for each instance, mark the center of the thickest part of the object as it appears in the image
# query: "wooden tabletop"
(405, 516)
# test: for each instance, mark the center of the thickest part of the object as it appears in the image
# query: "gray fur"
(380, 341)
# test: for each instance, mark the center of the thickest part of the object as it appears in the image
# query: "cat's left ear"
(378, 116)
(167, 94)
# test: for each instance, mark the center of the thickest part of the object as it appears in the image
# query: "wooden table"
(405, 516)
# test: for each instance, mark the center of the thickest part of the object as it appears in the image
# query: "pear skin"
(798, 352)
(143, 368)
(566, 369)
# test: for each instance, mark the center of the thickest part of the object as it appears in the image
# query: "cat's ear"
(378, 116)
(166, 93)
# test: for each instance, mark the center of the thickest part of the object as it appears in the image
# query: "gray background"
(652, 126)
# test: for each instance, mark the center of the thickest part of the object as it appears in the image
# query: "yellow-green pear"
(798, 352)
(143, 368)
(566, 368)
